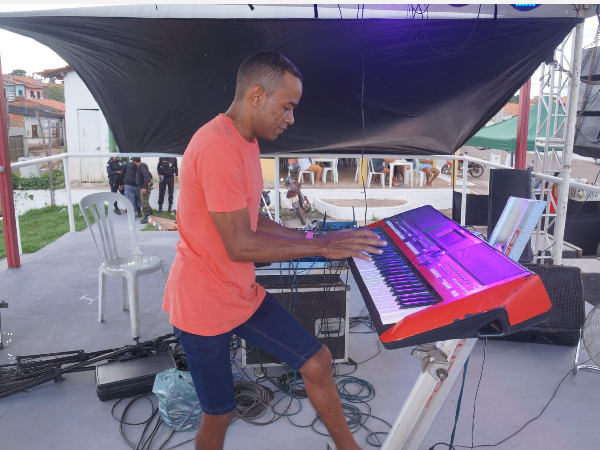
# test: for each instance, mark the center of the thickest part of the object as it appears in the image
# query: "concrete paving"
(53, 308)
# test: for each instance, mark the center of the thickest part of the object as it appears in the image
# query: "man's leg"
(208, 360)
(138, 201)
(161, 193)
(130, 194)
(146, 210)
(323, 395)
(115, 188)
(318, 170)
(274, 330)
(434, 174)
(211, 434)
(171, 186)
(425, 170)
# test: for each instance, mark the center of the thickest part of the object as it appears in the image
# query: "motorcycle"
(294, 194)
(475, 169)
(265, 201)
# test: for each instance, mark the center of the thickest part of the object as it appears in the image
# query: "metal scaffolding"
(555, 135)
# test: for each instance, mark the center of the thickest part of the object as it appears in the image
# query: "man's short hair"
(265, 69)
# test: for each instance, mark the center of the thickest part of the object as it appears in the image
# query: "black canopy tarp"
(429, 85)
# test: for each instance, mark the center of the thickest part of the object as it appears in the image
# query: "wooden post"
(48, 153)
(6, 193)
(363, 170)
(522, 126)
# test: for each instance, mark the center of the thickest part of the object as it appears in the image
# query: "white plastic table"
(401, 162)
(333, 167)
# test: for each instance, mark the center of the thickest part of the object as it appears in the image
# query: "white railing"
(65, 157)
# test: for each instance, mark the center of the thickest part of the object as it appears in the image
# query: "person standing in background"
(144, 183)
(114, 167)
(167, 172)
(129, 182)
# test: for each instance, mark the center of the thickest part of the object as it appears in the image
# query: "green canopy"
(503, 135)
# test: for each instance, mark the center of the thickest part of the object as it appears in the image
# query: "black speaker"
(505, 183)
(318, 299)
(587, 139)
(565, 289)
(477, 206)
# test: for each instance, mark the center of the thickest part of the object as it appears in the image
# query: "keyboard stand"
(442, 363)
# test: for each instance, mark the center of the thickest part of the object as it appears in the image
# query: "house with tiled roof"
(510, 110)
(32, 121)
(87, 131)
(19, 86)
(33, 129)
(43, 104)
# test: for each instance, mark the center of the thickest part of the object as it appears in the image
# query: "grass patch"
(40, 227)
(149, 227)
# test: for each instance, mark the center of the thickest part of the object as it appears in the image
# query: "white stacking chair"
(128, 267)
(415, 172)
(301, 176)
(372, 173)
(326, 170)
(333, 168)
(357, 169)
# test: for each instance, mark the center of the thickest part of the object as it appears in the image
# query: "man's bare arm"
(245, 245)
(272, 228)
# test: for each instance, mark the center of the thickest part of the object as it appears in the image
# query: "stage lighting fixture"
(524, 6)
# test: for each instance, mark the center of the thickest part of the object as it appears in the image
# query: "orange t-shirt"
(207, 293)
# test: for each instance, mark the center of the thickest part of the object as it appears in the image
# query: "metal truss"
(549, 145)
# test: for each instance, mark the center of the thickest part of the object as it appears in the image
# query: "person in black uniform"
(114, 168)
(129, 182)
(167, 171)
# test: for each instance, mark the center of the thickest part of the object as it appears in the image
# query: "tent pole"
(6, 191)
(567, 157)
(522, 126)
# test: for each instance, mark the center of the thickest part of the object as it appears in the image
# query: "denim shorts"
(271, 328)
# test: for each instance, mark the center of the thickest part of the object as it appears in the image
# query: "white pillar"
(69, 198)
(567, 157)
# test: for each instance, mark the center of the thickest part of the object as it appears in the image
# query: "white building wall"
(77, 96)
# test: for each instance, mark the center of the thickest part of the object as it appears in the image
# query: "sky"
(19, 52)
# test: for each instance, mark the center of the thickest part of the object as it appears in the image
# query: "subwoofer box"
(565, 289)
(318, 299)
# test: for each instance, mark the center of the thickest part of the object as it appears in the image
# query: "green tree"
(514, 99)
(20, 72)
(55, 92)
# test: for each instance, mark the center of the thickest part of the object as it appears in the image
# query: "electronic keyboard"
(436, 281)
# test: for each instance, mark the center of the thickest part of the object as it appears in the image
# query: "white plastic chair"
(326, 169)
(372, 173)
(301, 176)
(415, 172)
(357, 169)
(127, 267)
